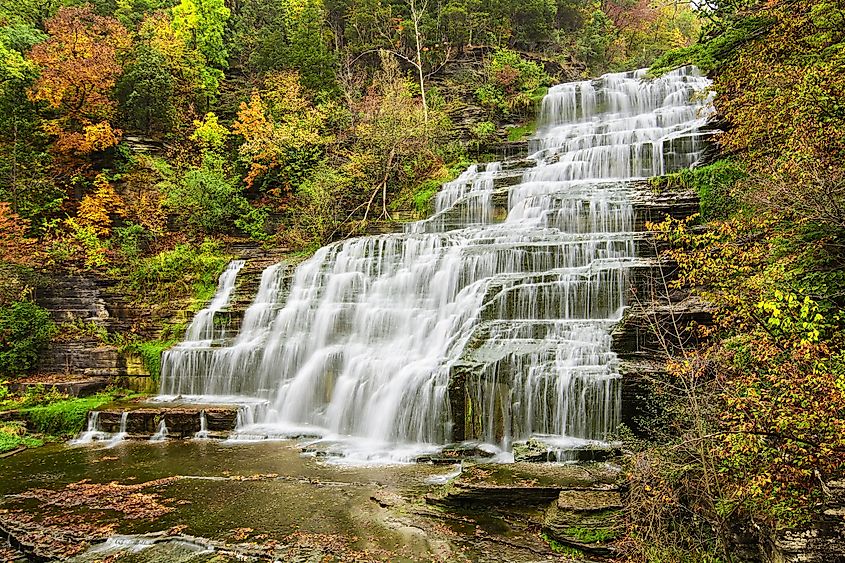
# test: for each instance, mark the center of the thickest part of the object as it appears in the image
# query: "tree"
(202, 24)
(146, 91)
(24, 181)
(282, 132)
(15, 245)
(193, 81)
(25, 328)
(298, 41)
(79, 68)
(393, 144)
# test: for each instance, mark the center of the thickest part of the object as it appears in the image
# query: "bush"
(205, 200)
(184, 271)
(714, 184)
(25, 328)
(513, 83)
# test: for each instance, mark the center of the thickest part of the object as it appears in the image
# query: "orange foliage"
(78, 69)
(15, 247)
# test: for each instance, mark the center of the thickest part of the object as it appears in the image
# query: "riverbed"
(199, 500)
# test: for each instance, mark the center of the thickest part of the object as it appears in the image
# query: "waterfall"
(489, 321)
(121, 432)
(92, 431)
(203, 431)
(201, 330)
(161, 433)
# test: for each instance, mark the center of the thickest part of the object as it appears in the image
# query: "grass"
(591, 535)
(68, 416)
(13, 436)
(522, 132)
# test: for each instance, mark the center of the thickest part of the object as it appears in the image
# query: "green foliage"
(561, 548)
(146, 91)
(317, 211)
(132, 238)
(150, 353)
(594, 43)
(25, 328)
(718, 50)
(522, 132)
(512, 83)
(300, 43)
(207, 200)
(65, 417)
(715, 184)
(592, 535)
(185, 271)
(202, 23)
(13, 436)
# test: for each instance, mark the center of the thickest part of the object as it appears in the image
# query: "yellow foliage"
(95, 210)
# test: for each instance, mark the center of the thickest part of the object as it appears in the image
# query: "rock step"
(181, 422)
(75, 387)
(587, 520)
(579, 506)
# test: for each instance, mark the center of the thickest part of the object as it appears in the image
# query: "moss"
(713, 183)
(522, 132)
(66, 417)
(425, 194)
(591, 535)
(150, 353)
(560, 548)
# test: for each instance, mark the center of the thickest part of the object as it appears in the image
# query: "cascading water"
(92, 432)
(161, 432)
(472, 324)
(202, 331)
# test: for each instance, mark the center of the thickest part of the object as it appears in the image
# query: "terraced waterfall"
(489, 321)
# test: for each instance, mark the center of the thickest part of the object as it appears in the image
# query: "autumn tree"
(283, 133)
(393, 142)
(79, 66)
(16, 246)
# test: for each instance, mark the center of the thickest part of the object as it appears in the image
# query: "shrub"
(184, 271)
(25, 328)
(513, 83)
(206, 200)
(714, 184)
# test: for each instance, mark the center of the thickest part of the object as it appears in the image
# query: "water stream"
(489, 321)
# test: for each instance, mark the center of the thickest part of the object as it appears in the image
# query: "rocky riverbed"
(217, 501)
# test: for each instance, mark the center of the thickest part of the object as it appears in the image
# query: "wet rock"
(182, 422)
(455, 452)
(520, 484)
(537, 451)
(532, 451)
(588, 520)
